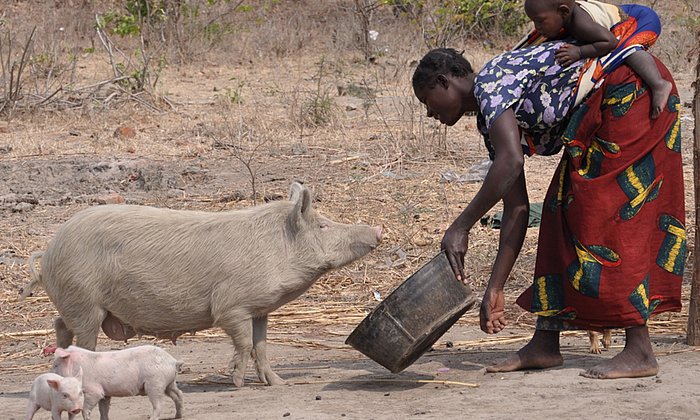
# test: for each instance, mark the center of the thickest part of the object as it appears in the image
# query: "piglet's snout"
(378, 233)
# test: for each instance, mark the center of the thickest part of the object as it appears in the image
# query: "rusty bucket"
(413, 317)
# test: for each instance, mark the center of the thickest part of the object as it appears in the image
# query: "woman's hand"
(568, 54)
(492, 313)
(455, 243)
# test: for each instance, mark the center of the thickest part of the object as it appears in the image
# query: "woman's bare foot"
(635, 361)
(659, 97)
(540, 353)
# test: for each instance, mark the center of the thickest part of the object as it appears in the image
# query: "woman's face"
(442, 101)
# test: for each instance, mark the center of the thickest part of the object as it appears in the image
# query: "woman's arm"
(516, 212)
(507, 168)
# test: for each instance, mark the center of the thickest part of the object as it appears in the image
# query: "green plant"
(130, 20)
(441, 22)
(232, 95)
(319, 108)
(140, 19)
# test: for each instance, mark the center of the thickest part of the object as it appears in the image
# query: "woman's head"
(549, 16)
(445, 61)
(438, 82)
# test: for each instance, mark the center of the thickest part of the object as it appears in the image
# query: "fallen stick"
(413, 381)
(26, 333)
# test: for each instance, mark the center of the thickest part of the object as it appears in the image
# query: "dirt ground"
(228, 135)
(330, 380)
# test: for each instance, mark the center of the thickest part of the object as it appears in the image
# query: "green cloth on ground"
(534, 218)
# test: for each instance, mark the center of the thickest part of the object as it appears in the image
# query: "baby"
(590, 23)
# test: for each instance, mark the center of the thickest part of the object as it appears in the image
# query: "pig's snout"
(75, 411)
(378, 233)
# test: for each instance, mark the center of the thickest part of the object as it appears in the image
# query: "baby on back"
(592, 23)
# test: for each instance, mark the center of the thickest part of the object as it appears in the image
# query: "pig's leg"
(86, 332)
(90, 402)
(64, 336)
(104, 408)
(176, 395)
(32, 408)
(262, 365)
(55, 414)
(241, 332)
(155, 394)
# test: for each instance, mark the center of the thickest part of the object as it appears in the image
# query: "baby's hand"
(568, 54)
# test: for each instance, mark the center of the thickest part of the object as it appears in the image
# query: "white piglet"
(142, 370)
(57, 394)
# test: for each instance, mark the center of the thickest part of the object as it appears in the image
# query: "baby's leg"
(644, 65)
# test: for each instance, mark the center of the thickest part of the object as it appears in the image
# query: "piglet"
(57, 394)
(142, 370)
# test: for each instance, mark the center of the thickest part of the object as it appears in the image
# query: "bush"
(443, 21)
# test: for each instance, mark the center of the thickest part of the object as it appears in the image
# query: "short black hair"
(549, 4)
(440, 61)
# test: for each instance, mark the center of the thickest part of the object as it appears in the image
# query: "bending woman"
(612, 238)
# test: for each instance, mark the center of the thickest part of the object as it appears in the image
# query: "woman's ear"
(442, 81)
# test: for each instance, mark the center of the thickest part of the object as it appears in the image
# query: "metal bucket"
(413, 317)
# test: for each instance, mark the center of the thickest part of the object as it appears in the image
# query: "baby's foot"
(659, 98)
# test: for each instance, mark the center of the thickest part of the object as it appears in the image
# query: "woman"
(612, 240)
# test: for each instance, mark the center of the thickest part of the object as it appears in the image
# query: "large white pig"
(141, 370)
(143, 270)
(56, 394)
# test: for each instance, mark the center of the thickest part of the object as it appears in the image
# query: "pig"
(57, 394)
(143, 370)
(151, 271)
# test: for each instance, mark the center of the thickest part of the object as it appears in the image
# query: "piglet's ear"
(60, 353)
(53, 383)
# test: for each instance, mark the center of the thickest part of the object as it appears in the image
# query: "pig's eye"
(65, 396)
(324, 226)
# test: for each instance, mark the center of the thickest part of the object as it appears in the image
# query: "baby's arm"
(597, 40)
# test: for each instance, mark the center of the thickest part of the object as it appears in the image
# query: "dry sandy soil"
(326, 379)
(376, 160)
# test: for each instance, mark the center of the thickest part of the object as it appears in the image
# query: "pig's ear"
(301, 196)
(295, 191)
(301, 213)
(53, 383)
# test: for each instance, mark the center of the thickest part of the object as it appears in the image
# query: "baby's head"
(549, 16)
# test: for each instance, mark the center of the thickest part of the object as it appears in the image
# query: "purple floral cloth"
(540, 92)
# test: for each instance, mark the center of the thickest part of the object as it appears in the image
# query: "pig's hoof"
(237, 382)
(275, 380)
